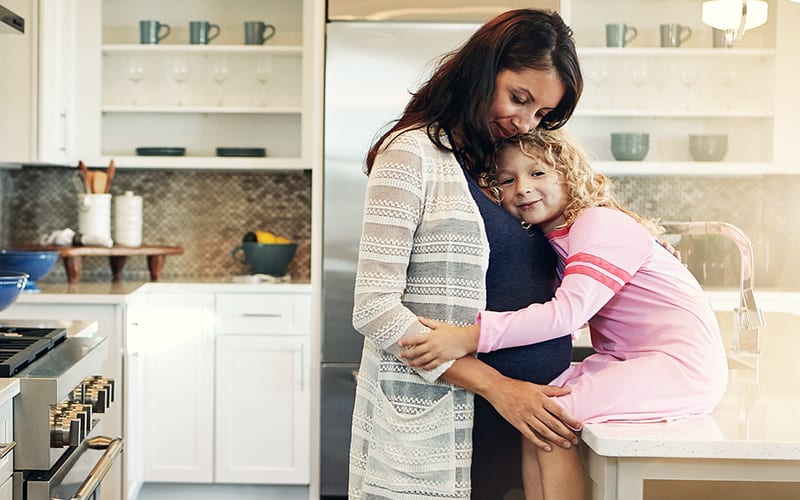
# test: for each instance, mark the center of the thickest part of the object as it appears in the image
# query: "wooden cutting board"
(117, 255)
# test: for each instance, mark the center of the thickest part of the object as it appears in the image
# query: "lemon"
(281, 239)
(265, 237)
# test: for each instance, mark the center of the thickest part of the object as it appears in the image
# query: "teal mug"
(152, 32)
(202, 32)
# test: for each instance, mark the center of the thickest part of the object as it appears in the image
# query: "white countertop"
(757, 418)
(120, 292)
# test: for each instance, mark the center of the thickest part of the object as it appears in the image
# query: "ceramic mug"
(257, 32)
(620, 34)
(673, 35)
(200, 32)
(150, 31)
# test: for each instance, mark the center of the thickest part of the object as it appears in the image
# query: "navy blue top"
(521, 271)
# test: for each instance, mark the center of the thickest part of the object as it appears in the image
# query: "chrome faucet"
(749, 318)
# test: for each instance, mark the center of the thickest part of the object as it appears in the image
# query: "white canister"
(94, 215)
(128, 220)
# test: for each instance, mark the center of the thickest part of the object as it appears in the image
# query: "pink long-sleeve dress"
(659, 354)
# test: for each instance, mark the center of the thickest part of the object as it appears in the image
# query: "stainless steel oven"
(61, 451)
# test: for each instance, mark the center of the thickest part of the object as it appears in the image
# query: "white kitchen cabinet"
(17, 86)
(175, 350)
(6, 440)
(674, 92)
(133, 393)
(263, 361)
(233, 95)
(226, 392)
(262, 427)
(46, 93)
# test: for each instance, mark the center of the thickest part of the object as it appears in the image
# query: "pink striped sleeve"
(606, 248)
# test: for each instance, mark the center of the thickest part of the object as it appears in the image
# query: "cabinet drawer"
(239, 313)
(6, 490)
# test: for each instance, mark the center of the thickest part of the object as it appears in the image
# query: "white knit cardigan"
(423, 252)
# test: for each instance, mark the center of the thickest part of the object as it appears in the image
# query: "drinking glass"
(728, 76)
(219, 72)
(638, 78)
(135, 75)
(180, 71)
(263, 75)
(688, 77)
(598, 75)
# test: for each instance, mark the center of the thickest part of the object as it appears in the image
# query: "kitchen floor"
(182, 491)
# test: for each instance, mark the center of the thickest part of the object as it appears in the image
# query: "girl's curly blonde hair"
(558, 154)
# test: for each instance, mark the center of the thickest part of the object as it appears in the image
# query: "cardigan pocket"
(413, 453)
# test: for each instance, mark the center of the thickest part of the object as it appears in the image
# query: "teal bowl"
(11, 284)
(630, 146)
(265, 258)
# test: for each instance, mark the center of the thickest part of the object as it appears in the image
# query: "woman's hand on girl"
(443, 343)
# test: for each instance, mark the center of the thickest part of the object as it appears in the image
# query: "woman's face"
(521, 99)
(530, 192)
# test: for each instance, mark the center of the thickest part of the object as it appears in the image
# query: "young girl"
(658, 349)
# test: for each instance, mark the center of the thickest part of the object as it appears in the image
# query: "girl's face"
(531, 192)
(522, 99)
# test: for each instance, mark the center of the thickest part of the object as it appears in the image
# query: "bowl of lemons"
(265, 253)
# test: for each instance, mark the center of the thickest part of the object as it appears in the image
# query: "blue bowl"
(37, 264)
(11, 283)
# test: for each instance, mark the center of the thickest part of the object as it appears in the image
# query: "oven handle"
(113, 448)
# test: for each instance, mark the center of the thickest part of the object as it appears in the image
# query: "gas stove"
(59, 411)
(20, 346)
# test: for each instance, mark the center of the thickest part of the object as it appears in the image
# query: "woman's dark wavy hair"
(457, 97)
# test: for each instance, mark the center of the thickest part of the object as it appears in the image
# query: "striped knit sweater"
(423, 252)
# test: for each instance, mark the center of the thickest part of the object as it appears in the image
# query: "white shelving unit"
(202, 97)
(673, 92)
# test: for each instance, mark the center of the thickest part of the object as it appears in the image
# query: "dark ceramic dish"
(160, 151)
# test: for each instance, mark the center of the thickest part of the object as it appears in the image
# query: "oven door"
(77, 476)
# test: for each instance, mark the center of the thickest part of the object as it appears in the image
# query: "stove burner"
(20, 346)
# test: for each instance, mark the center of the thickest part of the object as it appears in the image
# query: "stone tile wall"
(208, 212)
(205, 212)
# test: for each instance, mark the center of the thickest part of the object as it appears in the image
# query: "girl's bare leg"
(531, 474)
(560, 472)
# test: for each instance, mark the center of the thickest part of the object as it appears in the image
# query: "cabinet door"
(7, 490)
(175, 349)
(17, 87)
(262, 410)
(133, 392)
(69, 77)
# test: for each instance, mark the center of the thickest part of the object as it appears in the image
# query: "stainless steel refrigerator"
(376, 53)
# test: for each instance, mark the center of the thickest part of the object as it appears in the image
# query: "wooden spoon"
(110, 175)
(99, 182)
(86, 176)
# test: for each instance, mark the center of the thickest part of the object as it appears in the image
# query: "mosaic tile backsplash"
(207, 213)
